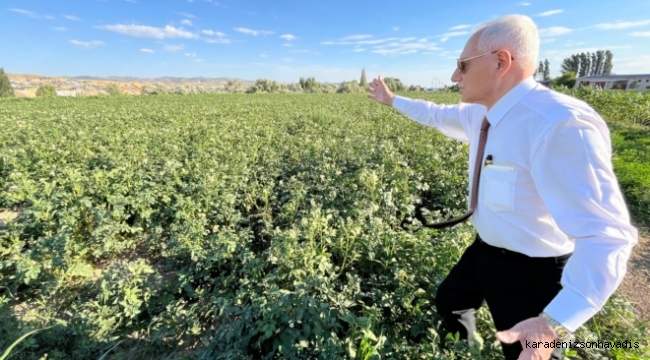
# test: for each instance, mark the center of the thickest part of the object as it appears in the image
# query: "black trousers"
(515, 287)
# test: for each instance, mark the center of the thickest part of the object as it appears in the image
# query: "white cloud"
(622, 25)
(264, 55)
(25, 12)
(186, 22)
(49, 17)
(60, 28)
(199, 60)
(147, 50)
(446, 36)
(460, 27)
(213, 33)
(357, 40)
(173, 48)
(86, 44)
(287, 45)
(131, 1)
(287, 59)
(288, 37)
(221, 37)
(186, 15)
(392, 45)
(641, 34)
(378, 41)
(190, 55)
(253, 32)
(554, 31)
(552, 12)
(300, 51)
(525, 4)
(356, 37)
(395, 28)
(70, 17)
(546, 41)
(150, 31)
(401, 48)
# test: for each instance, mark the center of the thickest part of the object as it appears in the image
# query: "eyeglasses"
(460, 63)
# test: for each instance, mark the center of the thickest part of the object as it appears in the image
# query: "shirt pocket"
(499, 187)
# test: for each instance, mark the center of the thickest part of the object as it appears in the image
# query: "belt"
(517, 255)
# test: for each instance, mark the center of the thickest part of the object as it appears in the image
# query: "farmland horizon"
(331, 42)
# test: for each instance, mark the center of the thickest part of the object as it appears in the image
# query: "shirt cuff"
(400, 103)
(571, 309)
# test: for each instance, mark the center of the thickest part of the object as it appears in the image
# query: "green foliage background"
(245, 226)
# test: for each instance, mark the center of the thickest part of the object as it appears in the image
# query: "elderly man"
(554, 232)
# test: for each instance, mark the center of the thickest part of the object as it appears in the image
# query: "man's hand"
(379, 92)
(528, 331)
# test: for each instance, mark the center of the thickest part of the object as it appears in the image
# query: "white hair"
(515, 33)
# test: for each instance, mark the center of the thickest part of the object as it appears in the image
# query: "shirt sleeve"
(451, 120)
(573, 172)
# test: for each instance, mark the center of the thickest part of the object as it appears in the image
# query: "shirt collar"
(509, 100)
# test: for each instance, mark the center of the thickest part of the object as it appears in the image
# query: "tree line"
(575, 66)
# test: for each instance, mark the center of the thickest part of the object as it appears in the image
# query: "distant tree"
(584, 65)
(5, 85)
(453, 88)
(567, 79)
(113, 89)
(607, 67)
(349, 87)
(309, 85)
(547, 70)
(540, 71)
(594, 64)
(600, 60)
(394, 84)
(363, 82)
(571, 63)
(264, 86)
(46, 90)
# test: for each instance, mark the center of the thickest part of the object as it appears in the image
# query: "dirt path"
(636, 285)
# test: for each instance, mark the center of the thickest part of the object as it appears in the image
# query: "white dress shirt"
(551, 189)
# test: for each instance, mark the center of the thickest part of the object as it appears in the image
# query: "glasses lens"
(461, 66)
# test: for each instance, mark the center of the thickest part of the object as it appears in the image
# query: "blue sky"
(416, 41)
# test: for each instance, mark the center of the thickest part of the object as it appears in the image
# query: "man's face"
(477, 79)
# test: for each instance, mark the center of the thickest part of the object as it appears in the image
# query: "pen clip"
(488, 160)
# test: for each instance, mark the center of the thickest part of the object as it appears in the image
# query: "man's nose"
(455, 77)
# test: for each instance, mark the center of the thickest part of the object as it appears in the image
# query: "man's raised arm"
(454, 121)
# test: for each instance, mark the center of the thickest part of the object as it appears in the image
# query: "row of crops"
(242, 226)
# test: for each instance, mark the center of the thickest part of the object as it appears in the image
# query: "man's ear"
(504, 61)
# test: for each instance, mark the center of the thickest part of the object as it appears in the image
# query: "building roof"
(613, 77)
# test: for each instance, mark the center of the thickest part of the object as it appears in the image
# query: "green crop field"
(239, 226)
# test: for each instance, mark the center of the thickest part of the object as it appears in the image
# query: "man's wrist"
(562, 333)
(392, 100)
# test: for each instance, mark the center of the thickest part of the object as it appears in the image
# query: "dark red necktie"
(485, 125)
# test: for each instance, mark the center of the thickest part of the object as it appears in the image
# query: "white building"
(633, 82)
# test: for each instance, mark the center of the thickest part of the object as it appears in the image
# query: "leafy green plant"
(243, 226)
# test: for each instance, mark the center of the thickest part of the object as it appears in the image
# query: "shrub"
(46, 90)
